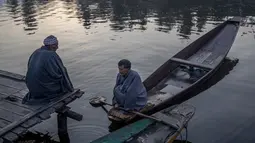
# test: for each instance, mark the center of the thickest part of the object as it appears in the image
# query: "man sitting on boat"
(129, 91)
(46, 76)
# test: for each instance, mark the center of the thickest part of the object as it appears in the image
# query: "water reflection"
(29, 15)
(128, 15)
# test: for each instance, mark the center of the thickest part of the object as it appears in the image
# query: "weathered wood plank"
(9, 116)
(20, 105)
(11, 136)
(31, 122)
(12, 75)
(21, 93)
(186, 62)
(62, 128)
(12, 83)
(68, 100)
(7, 90)
(78, 95)
(59, 105)
(14, 108)
(33, 114)
(47, 114)
(4, 123)
(2, 96)
(19, 130)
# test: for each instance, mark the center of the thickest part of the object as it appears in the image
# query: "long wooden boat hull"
(172, 82)
(151, 131)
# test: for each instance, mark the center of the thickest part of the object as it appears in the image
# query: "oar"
(100, 101)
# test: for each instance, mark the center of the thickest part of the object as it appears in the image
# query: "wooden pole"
(62, 128)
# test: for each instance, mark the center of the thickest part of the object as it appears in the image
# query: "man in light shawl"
(129, 91)
(46, 76)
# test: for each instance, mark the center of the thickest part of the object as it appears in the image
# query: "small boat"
(151, 131)
(186, 71)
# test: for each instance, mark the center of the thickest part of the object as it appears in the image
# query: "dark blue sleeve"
(132, 93)
(57, 70)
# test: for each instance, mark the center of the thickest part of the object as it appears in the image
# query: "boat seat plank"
(189, 63)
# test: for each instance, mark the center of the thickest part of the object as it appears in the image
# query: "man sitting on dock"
(46, 76)
(129, 91)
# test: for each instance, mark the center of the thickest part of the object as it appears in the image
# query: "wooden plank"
(46, 114)
(40, 110)
(4, 123)
(19, 130)
(2, 96)
(59, 105)
(12, 83)
(19, 104)
(12, 75)
(31, 122)
(11, 136)
(78, 95)
(62, 129)
(68, 100)
(14, 108)
(185, 62)
(9, 116)
(21, 93)
(7, 90)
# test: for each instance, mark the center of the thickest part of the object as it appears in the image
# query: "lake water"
(95, 35)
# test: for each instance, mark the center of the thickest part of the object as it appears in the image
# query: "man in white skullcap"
(46, 76)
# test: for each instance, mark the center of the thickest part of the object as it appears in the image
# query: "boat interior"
(206, 53)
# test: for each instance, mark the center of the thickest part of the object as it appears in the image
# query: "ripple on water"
(79, 133)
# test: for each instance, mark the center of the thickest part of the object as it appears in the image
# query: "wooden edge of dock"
(37, 113)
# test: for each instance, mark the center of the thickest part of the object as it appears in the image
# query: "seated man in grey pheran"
(129, 91)
(46, 76)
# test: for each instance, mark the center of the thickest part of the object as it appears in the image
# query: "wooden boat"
(151, 131)
(186, 71)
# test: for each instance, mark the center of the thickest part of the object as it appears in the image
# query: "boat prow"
(187, 70)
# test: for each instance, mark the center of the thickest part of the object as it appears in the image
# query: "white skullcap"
(50, 40)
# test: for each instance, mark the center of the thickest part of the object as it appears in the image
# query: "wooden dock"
(16, 118)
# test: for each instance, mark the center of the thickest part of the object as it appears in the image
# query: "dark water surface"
(95, 35)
